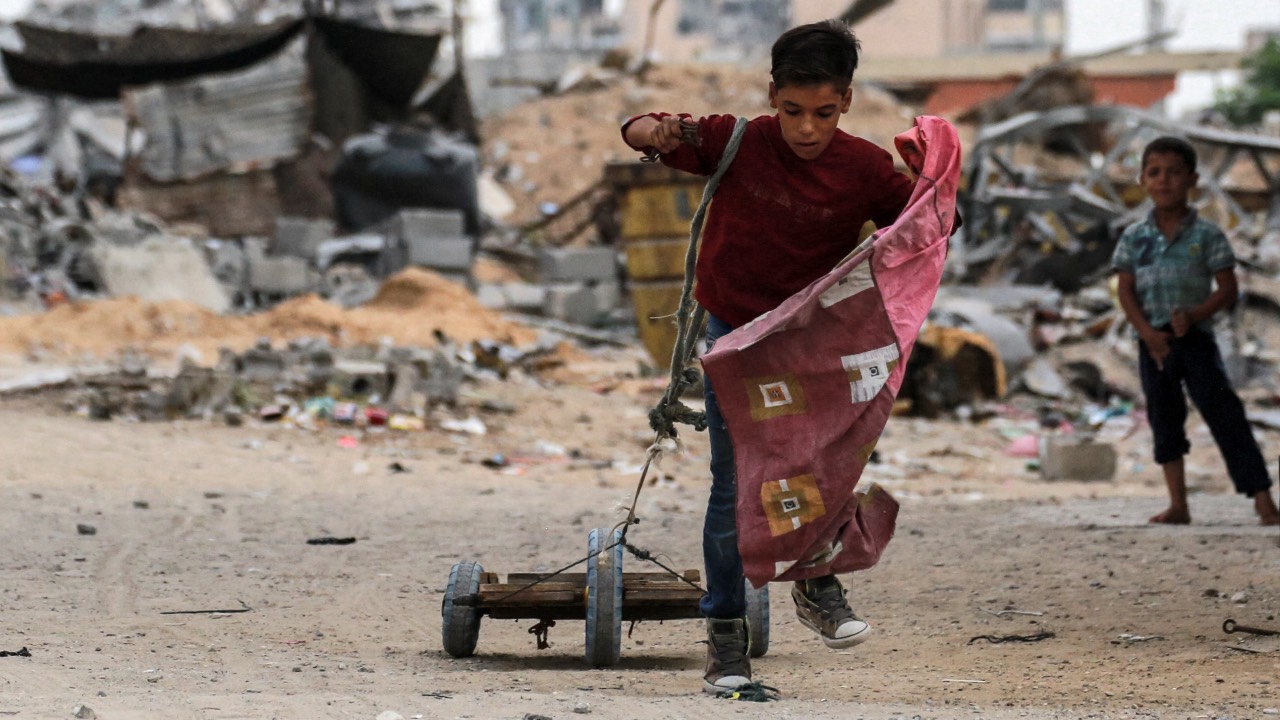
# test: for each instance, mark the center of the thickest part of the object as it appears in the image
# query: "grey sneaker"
(728, 667)
(822, 607)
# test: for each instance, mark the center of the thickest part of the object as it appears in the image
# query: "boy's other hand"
(1181, 322)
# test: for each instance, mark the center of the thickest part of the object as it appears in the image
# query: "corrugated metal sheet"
(223, 123)
(23, 121)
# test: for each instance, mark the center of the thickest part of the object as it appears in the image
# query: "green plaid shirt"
(1172, 275)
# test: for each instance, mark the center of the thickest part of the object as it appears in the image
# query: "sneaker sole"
(838, 643)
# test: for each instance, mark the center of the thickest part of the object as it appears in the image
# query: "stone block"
(429, 223)
(491, 295)
(299, 237)
(281, 275)
(578, 264)
(1075, 458)
(440, 253)
(524, 297)
(581, 303)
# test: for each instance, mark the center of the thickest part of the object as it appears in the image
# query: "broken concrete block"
(580, 264)
(429, 223)
(453, 253)
(299, 237)
(260, 363)
(581, 304)
(491, 296)
(1076, 458)
(524, 297)
(159, 269)
(281, 275)
(404, 387)
(359, 378)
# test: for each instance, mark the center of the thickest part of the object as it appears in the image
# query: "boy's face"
(809, 115)
(1167, 180)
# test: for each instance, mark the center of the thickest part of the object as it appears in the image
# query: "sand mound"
(409, 309)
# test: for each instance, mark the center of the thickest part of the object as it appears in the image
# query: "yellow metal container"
(655, 303)
(660, 210)
(656, 206)
(656, 259)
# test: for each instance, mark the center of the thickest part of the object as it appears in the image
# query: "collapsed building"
(231, 129)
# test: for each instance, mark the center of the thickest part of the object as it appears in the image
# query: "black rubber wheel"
(461, 629)
(757, 619)
(604, 597)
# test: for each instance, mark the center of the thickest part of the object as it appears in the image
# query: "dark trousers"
(1194, 361)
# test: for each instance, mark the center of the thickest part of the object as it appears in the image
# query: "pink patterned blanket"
(806, 389)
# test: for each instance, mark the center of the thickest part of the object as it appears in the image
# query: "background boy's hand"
(1181, 322)
(1158, 345)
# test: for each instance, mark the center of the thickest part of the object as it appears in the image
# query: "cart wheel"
(604, 597)
(461, 630)
(757, 619)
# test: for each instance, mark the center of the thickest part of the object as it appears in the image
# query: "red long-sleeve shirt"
(779, 222)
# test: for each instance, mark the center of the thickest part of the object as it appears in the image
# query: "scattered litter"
(331, 541)
(962, 680)
(347, 441)
(24, 652)
(1006, 612)
(472, 426)
(995, 639)
(242, 609)
(1131, 638)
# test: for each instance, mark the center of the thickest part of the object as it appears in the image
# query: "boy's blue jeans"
(1194, 360)
(726, 596)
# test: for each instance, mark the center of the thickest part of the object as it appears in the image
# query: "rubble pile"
(415, 307)
(309, 384)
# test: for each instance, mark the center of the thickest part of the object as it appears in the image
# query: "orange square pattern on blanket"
(775, 396)
(791, 503)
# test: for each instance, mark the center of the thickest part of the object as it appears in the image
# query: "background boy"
(1166, 266)
(787, 210)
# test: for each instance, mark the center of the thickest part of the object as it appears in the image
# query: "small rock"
(390, 715)
(84, 712)
(582, 708)
(141, 504)
(534, 716)
(86, 529)
(1240, 598)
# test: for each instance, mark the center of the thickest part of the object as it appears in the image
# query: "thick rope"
(689, 315)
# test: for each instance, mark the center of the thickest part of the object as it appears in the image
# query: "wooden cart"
(604, 596)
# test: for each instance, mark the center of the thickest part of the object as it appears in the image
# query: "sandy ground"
(198, 516)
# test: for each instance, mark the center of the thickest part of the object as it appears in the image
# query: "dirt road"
(197, 516)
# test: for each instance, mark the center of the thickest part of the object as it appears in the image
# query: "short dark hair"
(815, 54)
(1174, 145)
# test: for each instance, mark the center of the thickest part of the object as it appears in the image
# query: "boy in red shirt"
(788, 209)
